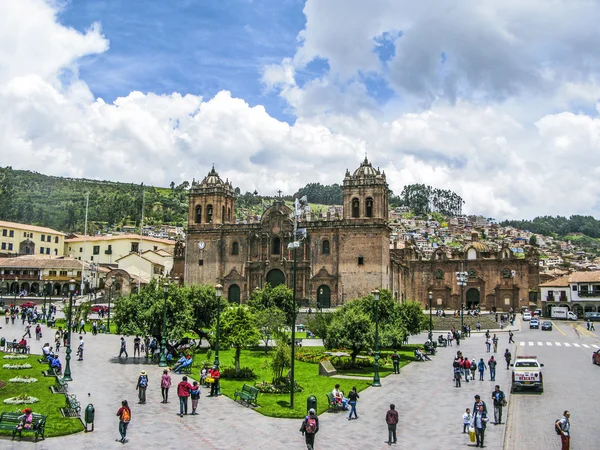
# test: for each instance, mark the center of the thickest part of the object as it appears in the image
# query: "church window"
(325, 247)
(369, 207)
(276, 247)
(506, 273)
(200, 262)
(472, 273)
(235, 248)
(439, 274)
(222, 214)
(361, 260)
(471, 254)
(229, 215)
(198, 214)
(209, 213)
(355, 207)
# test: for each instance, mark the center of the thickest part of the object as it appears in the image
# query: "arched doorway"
(35, 288)
(578, 310)
(233, 295)
(324, 296)
(275, 277)
(14, 288)
(472, 298)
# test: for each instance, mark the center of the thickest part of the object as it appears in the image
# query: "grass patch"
(49, 404)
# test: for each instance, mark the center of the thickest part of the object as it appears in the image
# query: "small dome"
(212, 179)
(479, 246)
(366, 170)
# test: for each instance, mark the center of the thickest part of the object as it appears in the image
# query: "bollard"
(89, 417)
(311, 402)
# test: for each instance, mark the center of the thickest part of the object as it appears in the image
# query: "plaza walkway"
(429, 405)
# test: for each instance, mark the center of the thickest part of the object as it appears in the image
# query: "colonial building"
(342, 257)
(21, 239)
(578, 291)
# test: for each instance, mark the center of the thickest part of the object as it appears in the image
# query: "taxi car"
(534, 323)
(527, 374)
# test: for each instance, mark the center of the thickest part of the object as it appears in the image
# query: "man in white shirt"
(565, 431)
(80, 349)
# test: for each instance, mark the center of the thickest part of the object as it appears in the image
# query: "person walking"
(82, 327)
(141, 387)
(507, 358)
(391, 418)
(165, 384)
(352, 399)
(564, 426)
(80, 349)
(183, 392)
(488, 344)
(510, 337)
(309, 428)
(473, 369)
(588, 324)
(492, 366)
(499, 400)
(195, 396)
(457, 374)
(592, 328)
(396, 361)
(466, 420)
(495, 342)
(124, 414)
(481, 366)
(480, 420)
(466, 369)
(136, 346)
(123, 347)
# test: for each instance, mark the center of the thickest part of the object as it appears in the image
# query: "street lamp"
(430, 295)
(461, 280)
(67, 373)
(218, 293)
(16, 288)
(376, 380)
(110, 294)
(45, 295)
(2, 288)
(163, 339)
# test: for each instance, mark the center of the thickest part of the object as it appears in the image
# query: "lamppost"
(461, 280)
(430, 295)
(2, 288)
(16, 288)
(67, 373)
(45, 295)
(218, 292)
(110, 294)
(163, 339)
(376, 380)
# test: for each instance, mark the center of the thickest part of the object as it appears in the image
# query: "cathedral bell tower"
(365, 193)
(211, 202)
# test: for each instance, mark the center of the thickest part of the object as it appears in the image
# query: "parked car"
(527, 373)
(534, 323)
(98, 308)
(596, 357)
(546, 325)
(26, 305)
(537, 313)
(592, 316)
(526, 316)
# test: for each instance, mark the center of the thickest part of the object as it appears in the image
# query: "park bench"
(73, 403)
(51, 323)
(248, 394)
(61, 386)
(51, 372)
(332, 404)
(10, 420)
(187, 370)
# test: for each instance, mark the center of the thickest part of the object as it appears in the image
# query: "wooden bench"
(73, 403)
(248, 394)
(51, 372)
(332, 404)
(10, 420)
(16, 347)
(61, 386)
(187, 370)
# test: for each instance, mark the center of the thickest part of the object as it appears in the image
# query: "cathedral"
(341, 257)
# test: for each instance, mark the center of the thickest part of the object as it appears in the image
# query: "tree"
(533, 240)
(352, 329)
(281, 297)
(281, 360)
(271, 322)
(412, 317)
(319, 324)
(238, 329)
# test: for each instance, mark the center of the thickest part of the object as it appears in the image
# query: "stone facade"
(340, 258)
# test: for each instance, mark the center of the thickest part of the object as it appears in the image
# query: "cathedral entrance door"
(324, 296)
(472, 298)
(234, 294)
(275, 277)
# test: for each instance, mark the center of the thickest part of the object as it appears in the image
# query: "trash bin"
(2, 342)
(311, 402)
(89, 416)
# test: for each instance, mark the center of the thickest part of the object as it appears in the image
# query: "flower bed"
(14, 357)
(269, 388)
(16, 366)
(21, 400)
(23, 380)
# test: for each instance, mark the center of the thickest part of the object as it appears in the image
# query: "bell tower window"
(369, 207)
(326, 247)
(222, 214)
(276, 248)
(198, 214)
(209, 214)
(355, 207)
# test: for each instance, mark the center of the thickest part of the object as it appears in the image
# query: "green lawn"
(49, 403)
(306, 374)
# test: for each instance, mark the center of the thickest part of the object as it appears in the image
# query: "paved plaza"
(429, 405)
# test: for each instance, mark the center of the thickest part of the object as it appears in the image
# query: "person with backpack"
(507, 358)
(499, 402)
(352, 399)
(563, 429)
(124, 414)
(492, 366)
(481, 366)
(141, 386)
(457, 373)
(309, 428)
(466, 368)
(391, 418)
(473, 369)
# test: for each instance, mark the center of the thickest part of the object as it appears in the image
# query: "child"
(466, 420)
(195, 396)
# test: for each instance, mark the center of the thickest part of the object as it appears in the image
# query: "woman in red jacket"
(183, 392)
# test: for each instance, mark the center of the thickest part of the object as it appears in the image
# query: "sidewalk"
(429, 405)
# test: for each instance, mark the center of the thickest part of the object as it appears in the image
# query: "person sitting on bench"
(187, 362)
(338, 396)
(421, 356)
(47, 350)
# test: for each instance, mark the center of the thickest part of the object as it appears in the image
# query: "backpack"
(557, 426)
(311, 424)
(125, 415)
(143, 381)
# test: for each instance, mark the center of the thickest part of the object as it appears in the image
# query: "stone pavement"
(430, 407)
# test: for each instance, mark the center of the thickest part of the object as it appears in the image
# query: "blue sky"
(190, 46)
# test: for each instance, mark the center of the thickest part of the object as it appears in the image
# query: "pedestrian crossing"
(556, 344)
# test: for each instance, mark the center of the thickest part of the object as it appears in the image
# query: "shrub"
(245, 373)
(270, 388)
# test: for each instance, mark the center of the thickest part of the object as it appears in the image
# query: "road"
(570, 382)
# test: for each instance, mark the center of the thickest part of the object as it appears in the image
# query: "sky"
(497, 100)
